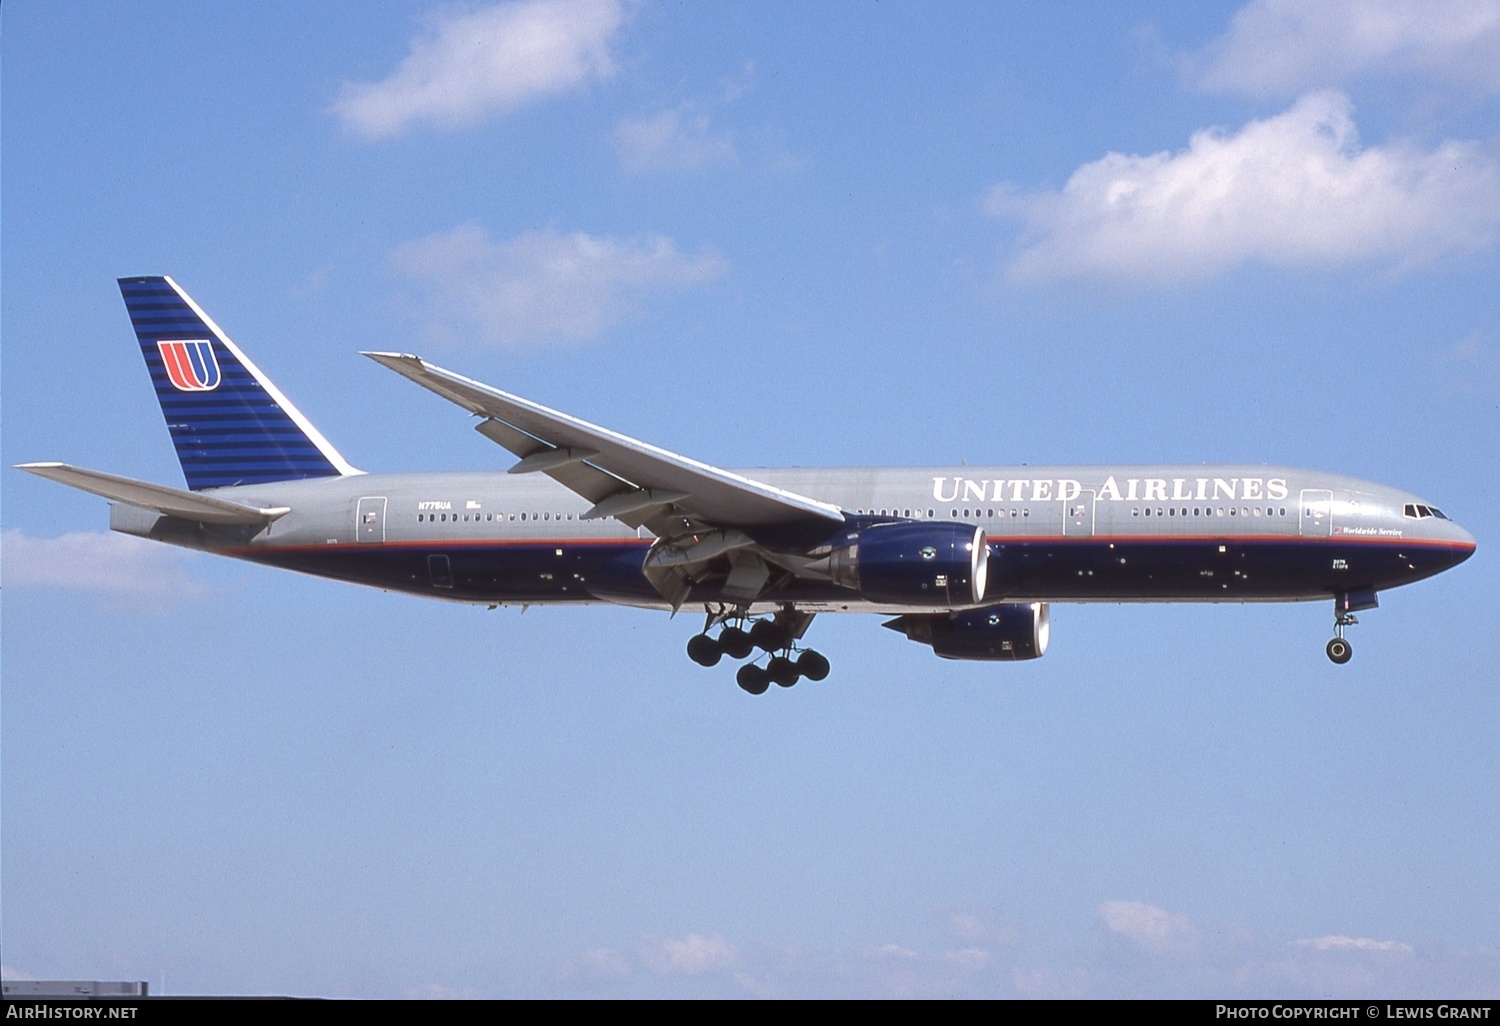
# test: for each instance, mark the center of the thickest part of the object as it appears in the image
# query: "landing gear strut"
(1344, 605)
(1339, 650)
(776, 636)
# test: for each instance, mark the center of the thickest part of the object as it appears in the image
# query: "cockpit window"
(1417, 511)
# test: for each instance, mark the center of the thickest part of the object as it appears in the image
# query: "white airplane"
(966, 559)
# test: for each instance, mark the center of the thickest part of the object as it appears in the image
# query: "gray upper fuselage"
(1024, 502)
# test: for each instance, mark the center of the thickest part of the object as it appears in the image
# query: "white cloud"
(1287, 46)
(1472, 366)
(474, 65)
(541, 284)
(114, 564)
(1149, 926)
(690, 956)
(1185, 960)
(1293, 190)
(599, 965)
(1359, 944)
(438, 992)
(968, 929)
(674, 140)
(969, 958)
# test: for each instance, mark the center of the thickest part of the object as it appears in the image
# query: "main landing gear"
(776, 637)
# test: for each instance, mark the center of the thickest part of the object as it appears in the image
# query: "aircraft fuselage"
(1210, 533)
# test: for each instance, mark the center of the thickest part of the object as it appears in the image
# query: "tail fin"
(229, 423)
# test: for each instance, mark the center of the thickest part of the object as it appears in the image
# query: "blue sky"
(758, 235)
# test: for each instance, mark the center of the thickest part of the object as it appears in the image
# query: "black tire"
(735, 643)
(753, 679)
(812, 665)
(1340, 651)
(782, 671)
(703, 650)
(767, 636)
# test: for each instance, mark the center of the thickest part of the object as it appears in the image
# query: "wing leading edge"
(704, 517)
(623, 477)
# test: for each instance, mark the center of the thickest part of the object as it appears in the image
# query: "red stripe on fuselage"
(455, 543)
(565, 543)
(1227, 539)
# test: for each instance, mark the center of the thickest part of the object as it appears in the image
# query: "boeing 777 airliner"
(966, 559)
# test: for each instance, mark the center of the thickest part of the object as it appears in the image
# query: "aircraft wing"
(172, 501)
(624, 478)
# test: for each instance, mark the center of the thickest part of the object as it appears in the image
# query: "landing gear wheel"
(769, 636)
(782, 671)
(703, 650)
(812, 665)
(753, 679)
(1340, 651)
(735, 642)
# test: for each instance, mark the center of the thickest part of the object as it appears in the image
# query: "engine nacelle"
(915, 564)
(1008, 632)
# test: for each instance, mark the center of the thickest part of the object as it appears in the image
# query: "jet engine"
(997, 633)
(914, 564)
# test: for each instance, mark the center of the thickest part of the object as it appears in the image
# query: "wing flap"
(172, 501)
(620, 466)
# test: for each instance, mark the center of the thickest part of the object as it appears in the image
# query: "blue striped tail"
(230, 424)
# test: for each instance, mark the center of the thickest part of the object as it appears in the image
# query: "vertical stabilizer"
(230, 425)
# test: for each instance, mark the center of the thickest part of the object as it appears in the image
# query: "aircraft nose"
(1462, 542)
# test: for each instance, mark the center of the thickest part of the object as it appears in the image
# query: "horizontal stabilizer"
(171, 501)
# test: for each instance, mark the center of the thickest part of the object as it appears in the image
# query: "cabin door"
(1078, 516)
(1317, 513)
(369, 520)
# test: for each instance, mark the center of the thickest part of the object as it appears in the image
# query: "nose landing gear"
(1339, 650)
(1344, 605)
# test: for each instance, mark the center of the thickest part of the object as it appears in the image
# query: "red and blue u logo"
(191, 366)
